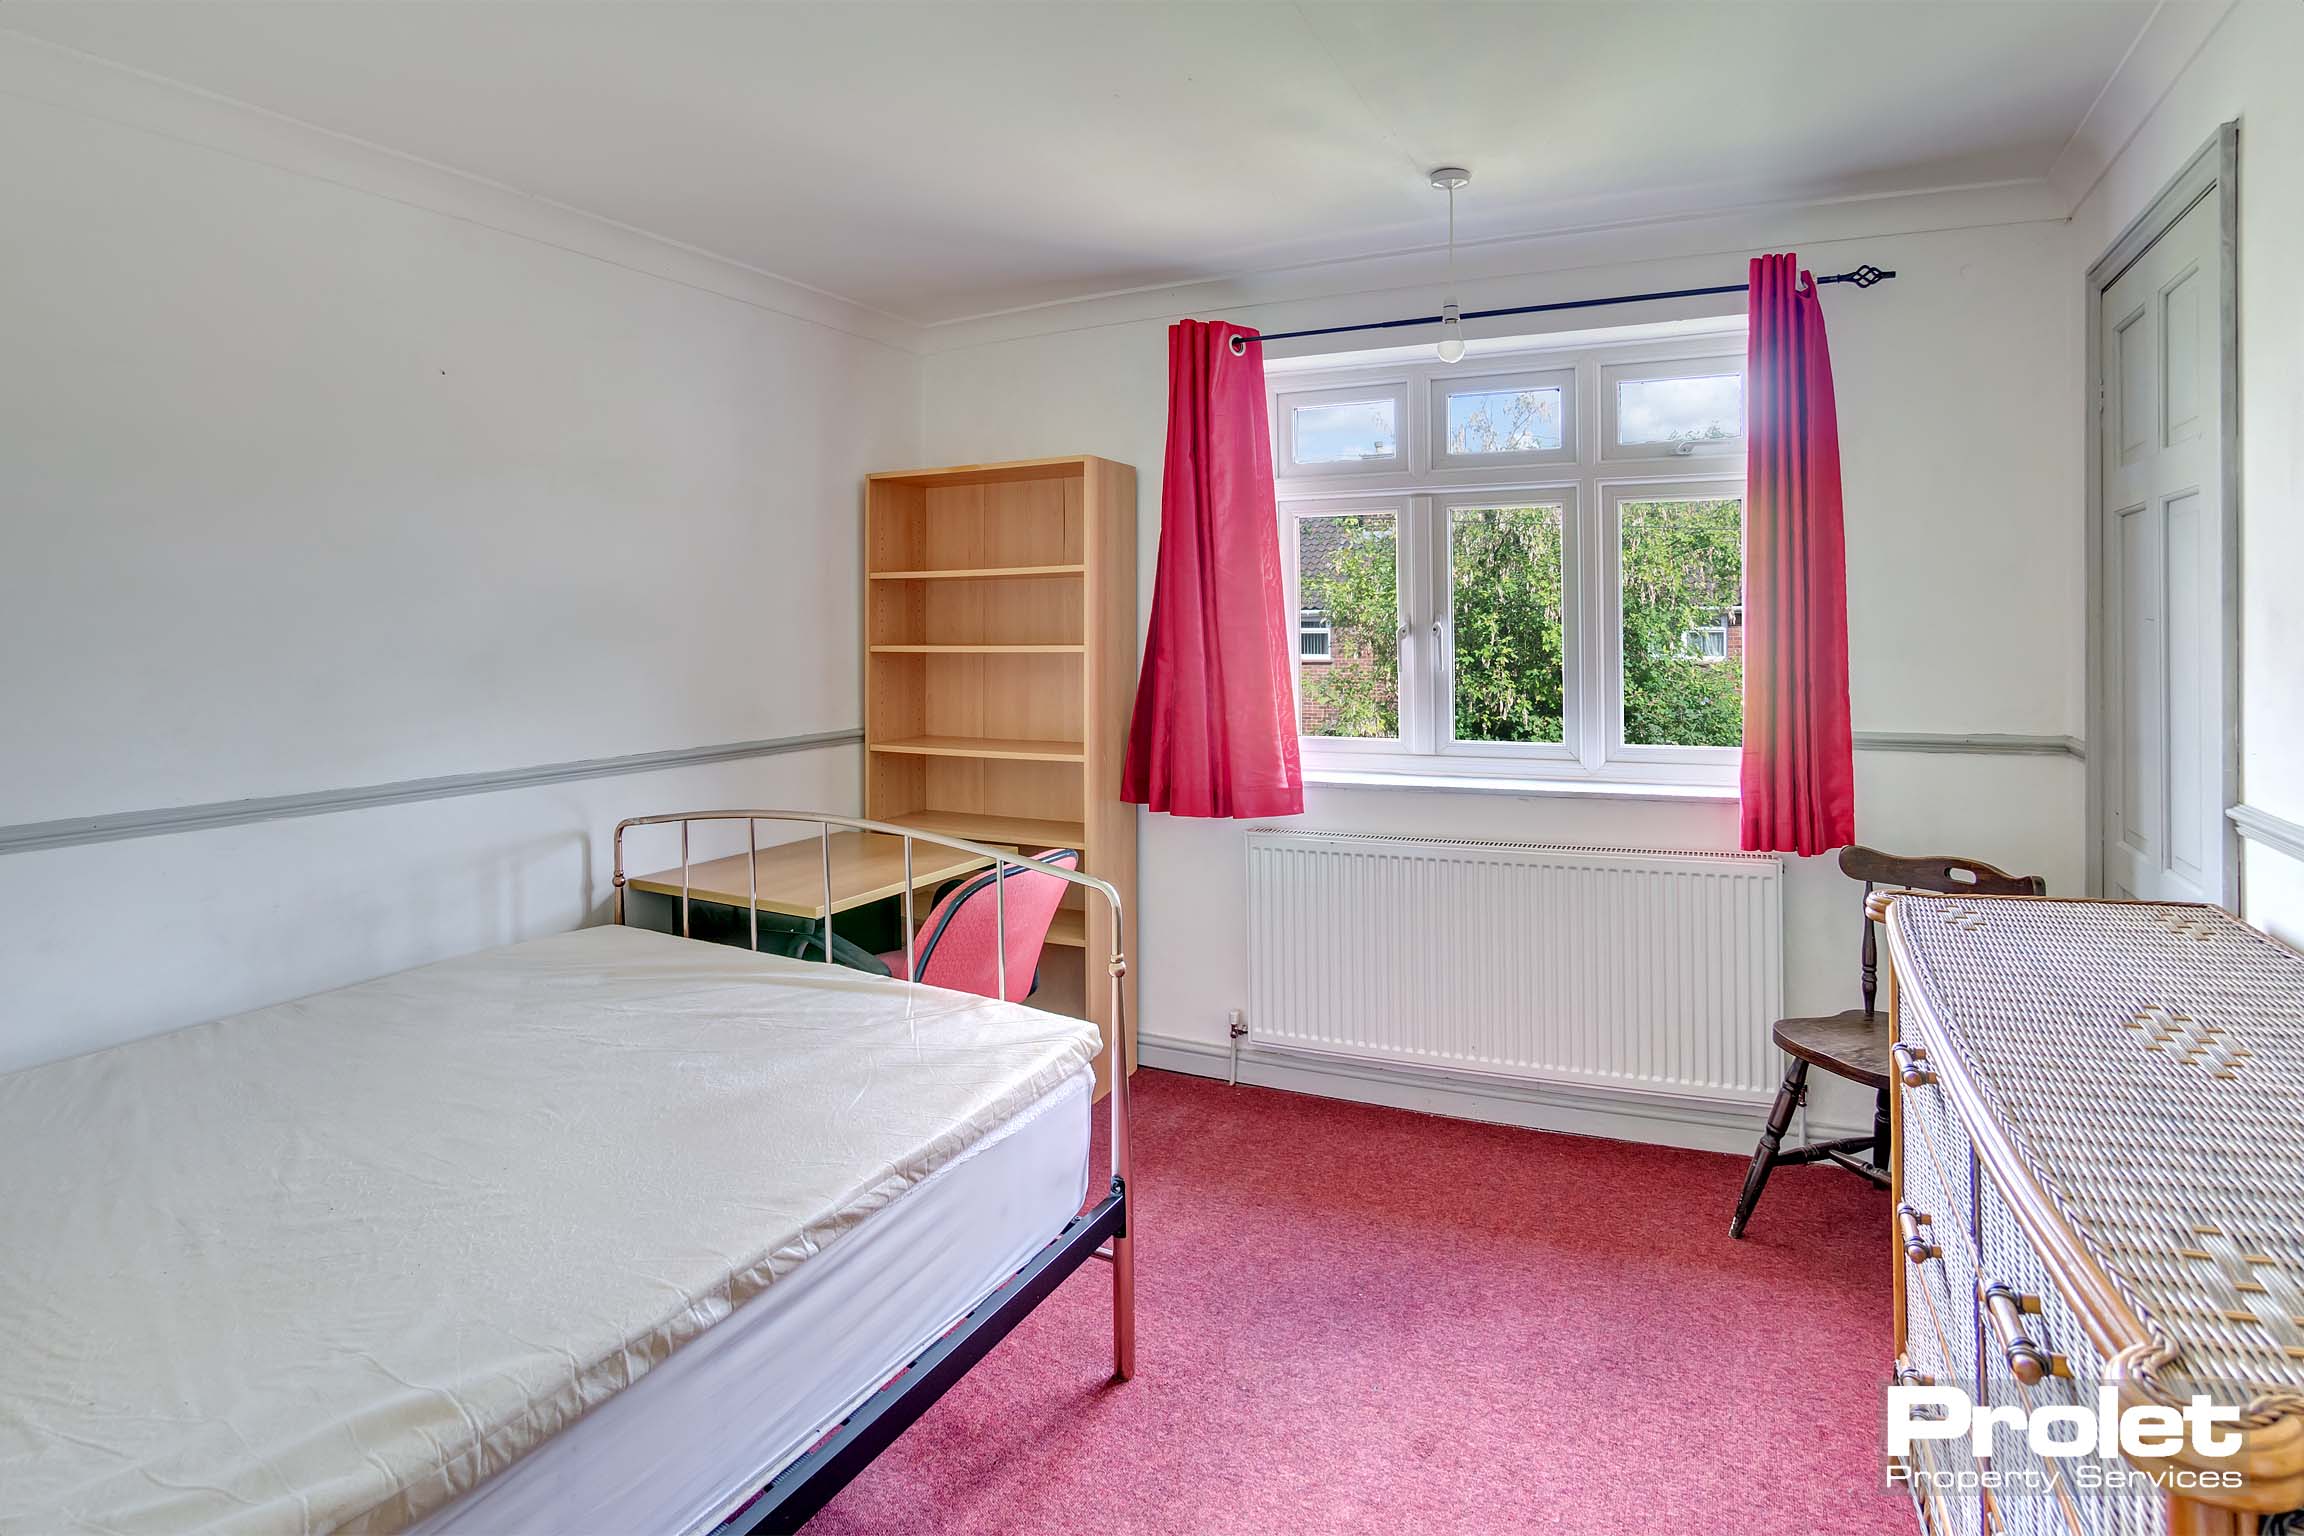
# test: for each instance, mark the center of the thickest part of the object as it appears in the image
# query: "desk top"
(866, 867)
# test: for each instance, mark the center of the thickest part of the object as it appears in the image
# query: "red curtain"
(1215, 727)
(1799, 778)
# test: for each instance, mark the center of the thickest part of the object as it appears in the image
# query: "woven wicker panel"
(2034, 1494)
(1940, 1179)
(1940, 1332)
(1944, 1468)
(2148, 1063)
(1924, 1338)
(1937, 1151)
(1927, 1502)
(1941, 1322)
(2007, 1258)
(1943, 1510)
(1962, 1504)
(1964, 1512)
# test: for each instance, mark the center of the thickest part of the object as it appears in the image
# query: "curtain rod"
(1863, 277)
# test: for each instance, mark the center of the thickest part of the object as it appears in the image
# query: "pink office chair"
(958, 947)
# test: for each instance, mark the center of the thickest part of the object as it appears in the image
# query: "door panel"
(2132, 353)
(2135, 618)
(2190, 621)
(2185, 337)
(2162, 585)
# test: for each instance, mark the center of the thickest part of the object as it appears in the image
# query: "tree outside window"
(1683, 576)
(1348, 568)
(1505, 631)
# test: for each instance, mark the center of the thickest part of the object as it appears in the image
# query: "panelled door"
(2162, 586)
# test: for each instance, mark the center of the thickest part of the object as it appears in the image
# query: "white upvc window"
(1358, 429)
(1525, 566)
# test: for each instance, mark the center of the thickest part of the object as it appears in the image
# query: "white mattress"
(335, 1264)
(681, 1448)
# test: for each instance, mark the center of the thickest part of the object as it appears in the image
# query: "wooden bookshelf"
(1000, 670)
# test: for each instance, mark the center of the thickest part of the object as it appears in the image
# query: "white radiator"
(1656, 973)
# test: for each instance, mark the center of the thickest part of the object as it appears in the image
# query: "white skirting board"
(1700, 1126)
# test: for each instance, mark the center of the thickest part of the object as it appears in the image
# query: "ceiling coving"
(1000, 156)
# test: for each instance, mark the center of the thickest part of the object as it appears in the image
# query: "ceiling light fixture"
(1451, 348)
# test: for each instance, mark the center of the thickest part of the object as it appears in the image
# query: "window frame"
(1293, 512)
(1707, 656)
(1616, 750)
(1326, 655)
(1566, 754)
(1443, 384)
(1426, 485)
(1636, 370)
(1380, 387)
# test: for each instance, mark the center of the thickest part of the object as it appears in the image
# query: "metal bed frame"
(786, 1501)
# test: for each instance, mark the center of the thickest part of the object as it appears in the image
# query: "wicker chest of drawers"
(2099, 1198)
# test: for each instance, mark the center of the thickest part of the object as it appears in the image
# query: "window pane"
(1356, 431)
(1348, 572)
(1504, 623)
(1312, 637)
(1504, 421)
(1690, 411)
(1683, 576)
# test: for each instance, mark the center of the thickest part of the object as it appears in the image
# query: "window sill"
(1480, 784)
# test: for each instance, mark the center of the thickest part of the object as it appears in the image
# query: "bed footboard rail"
(1115, 1217)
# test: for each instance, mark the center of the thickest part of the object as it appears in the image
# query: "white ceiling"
(938, 161)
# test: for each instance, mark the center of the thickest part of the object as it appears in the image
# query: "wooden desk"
(866, 867)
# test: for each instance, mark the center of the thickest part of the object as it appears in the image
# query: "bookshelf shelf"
(1029, 833)
(981, 573)
(989, 748)
(978, 650)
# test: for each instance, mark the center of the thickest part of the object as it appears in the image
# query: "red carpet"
(1363, 1320)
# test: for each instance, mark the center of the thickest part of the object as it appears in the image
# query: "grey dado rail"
(67, 832)
(1977, 743)
(71, 831)
(2266, 830)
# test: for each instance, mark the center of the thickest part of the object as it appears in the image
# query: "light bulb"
(1451, 348)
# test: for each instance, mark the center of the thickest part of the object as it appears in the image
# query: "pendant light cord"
(1451, 243)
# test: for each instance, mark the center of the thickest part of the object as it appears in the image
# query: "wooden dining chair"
(1854, 1044)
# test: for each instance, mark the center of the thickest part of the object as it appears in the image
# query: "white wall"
(321, 469)
(2247, 71)
(1956, 386)
(110, 941)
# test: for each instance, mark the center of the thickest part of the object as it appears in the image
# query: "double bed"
(611, 1230)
